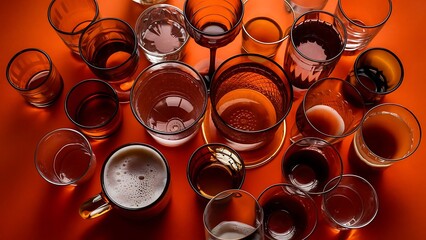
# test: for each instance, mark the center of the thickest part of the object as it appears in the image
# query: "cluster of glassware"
(240, 107)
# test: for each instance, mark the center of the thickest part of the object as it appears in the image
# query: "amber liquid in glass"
(96, 110)
(387, 135)
(214, 178)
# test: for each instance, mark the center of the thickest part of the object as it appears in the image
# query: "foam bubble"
(135, 176)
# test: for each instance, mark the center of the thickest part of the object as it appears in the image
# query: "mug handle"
(95, 207)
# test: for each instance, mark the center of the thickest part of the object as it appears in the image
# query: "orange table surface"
(31, 208)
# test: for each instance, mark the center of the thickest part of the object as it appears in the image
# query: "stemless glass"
(317, 40)
(233, 215)
(109, 47)
(290, 213)
(213, 24)
(331, 109)
(32, 73)
(310, 164)
(93, 106)
(376, 73)
(389, 133)
(69, 18)
(250, 98)
(169, 99)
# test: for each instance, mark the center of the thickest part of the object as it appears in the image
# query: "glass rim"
(274, 42)
(364, 181)
(140, 23)
(234, 26)
(336, 20)
(191, 158)
(78, 85)
(320, 81)
(411, 114)
(18, 54)
(324, 143)
(227, 193)
(340, 7)
(175, 63)
(298, 191)
(131, 55)
(290, 91)
(51, 133)
(145, 146)
(387, 51)
(49, 17)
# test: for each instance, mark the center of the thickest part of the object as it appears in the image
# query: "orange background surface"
(31, 208)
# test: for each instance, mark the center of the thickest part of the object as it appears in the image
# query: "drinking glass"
(331, 110)
(214, 168)
(109, 47)
(31, 72)
(93, 106)
(352, 204)
(213, 24)
(376, 73)
(233, 214)
(302, 6)
(64, 157)
(266, 26)
(161, 33)
(310, 164)
(389, 133)
(69, 18)
(135, 182)
(363, 20)
(316, 43)
(250, 97)
(290, 213)
(169, 99)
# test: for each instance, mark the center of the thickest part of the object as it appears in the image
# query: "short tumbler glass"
(32, 73)
(169, 99)
(64, 157)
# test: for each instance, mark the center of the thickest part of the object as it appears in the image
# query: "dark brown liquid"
(213, 179)
(112, 54)
(387, 135)
(307, 169)
(285, 218)
(316, 40)
(372, 78)
(96, 110)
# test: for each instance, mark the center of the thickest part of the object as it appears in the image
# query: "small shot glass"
(31, 72)
(93, 106)
(64, 157)
(352, 204)
(214, 168)
(69, 18)
(376, 73)
(161, 33)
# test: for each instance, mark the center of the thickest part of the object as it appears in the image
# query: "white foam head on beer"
(135, 176)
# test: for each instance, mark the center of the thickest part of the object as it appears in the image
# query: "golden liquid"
(247, 110)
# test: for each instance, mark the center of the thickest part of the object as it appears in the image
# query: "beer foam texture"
(135, 176)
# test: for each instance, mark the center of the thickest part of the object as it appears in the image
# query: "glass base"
(252, 158)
